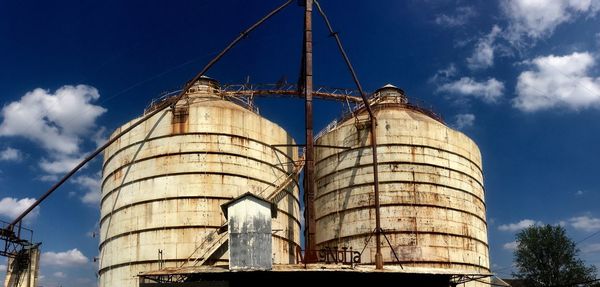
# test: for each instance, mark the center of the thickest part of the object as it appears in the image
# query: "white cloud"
(60, 122)
(443, 75)
(56, 120)
(71, 257)
(519, 225)
(83, 281)
(585, 223)
(464, 120)
(488, 91)
(100, 137)
(11, 154)
(92, 187)
(92, 197)
(48, 178)
(512, 246)
(91, 234)
(483, 55)
(591, 248)
(3, 268)
(461, 16)
(13, 207)
(60, 163)
(580, 192)
(536, 19)
(558, 81)
(59, 274)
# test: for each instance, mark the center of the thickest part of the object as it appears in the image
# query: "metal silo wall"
(431, 191)
(164, 182)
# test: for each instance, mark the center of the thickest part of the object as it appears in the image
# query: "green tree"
(546, 256)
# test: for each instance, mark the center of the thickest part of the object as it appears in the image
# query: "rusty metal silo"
(430, 182)
(164, 183)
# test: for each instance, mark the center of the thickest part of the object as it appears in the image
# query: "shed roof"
(225, 205)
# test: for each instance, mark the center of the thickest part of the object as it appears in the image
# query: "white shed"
(249, 225)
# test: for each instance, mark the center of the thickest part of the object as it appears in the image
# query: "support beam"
(309, 167)
(378, 255)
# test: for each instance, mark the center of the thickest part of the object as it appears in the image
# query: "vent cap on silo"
(390, 93)
(205, 85)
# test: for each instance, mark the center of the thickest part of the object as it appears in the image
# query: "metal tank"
(430, 182)
(164, 183)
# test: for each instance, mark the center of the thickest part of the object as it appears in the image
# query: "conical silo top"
(390, 93)
(205, 85)
(388, 85)
(207, 81)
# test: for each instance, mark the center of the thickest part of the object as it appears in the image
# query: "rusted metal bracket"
(12, 240)
(393, 250)
(456, 280)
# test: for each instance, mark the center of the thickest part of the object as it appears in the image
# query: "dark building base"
(307, 278)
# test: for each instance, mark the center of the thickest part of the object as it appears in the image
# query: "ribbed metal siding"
(431, 191)
(164, 182)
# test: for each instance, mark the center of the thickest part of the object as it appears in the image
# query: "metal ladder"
(280, 192)
(211, 243)
(217, 238)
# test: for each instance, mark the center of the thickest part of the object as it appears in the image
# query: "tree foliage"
(546, 256)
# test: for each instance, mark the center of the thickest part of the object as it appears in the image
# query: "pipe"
(309, 166)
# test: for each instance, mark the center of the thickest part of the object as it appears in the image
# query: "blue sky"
(521, 79)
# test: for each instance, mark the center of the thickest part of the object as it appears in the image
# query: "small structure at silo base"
(249, 224)
(23, 269)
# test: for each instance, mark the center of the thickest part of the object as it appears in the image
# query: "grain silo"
(164, 183)
(430, 185)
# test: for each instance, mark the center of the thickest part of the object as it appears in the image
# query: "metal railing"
(14, 239)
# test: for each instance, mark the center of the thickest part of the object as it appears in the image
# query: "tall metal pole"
(309, 167)
(378, 255)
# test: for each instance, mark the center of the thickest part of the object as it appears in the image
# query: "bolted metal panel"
(165, 180)
(431, 190)
(249, 224)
